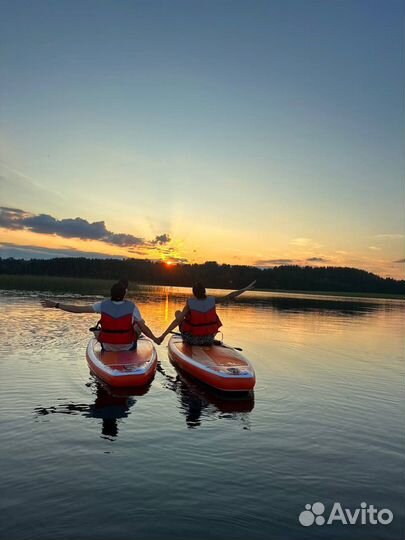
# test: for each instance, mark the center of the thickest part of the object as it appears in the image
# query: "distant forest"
(212, 274)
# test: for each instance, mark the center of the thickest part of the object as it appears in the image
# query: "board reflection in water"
(198, 401)
(111, 406)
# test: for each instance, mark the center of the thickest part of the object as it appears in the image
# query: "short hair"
(199, 291)
(118, 291)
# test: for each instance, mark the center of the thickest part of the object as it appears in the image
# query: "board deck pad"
(217, 358)
(126, 361)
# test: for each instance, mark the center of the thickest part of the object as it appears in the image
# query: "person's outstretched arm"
(71, 308)
(234, 294)
(176, 322)
(146, 330)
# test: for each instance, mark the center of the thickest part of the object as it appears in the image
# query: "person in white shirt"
(121, 320)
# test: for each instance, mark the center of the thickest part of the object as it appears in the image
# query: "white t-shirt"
(136, 316)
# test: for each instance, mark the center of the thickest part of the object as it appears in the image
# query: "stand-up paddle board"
(219, 366)
(123, 368)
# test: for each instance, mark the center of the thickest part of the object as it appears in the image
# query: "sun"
(169, 263)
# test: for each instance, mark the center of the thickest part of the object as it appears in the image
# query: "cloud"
(305, 243)
(167, 250)
(139, 251)
(19, 251)
(391, 236)
(161, 239)
(14, 219)
(280, 262)
(67, 228)
(374, 248)
(274, 262)
(301, 242)
(10, 218)
(400, 261)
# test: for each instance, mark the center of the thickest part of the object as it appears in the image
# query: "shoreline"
(102, 286)
(345, 294)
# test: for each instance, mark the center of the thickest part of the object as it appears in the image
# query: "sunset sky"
(246, 132)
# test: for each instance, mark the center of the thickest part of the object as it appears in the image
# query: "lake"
(180, 461)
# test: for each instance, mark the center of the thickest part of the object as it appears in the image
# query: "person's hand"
(48, 303)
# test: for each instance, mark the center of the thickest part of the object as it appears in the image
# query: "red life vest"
(116, 323)
(202, 318)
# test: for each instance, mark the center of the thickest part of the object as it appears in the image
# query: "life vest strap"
(116, 331)
(202, 324)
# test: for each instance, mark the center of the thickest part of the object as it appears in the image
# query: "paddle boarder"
(198, 322)
(121, 321)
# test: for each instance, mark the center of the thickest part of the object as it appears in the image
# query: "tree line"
(212, 274)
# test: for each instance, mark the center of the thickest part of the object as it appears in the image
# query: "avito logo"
(365, 515)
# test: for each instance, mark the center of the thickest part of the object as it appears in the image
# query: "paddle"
(216, 342)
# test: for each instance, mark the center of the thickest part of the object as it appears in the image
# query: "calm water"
(180, 462)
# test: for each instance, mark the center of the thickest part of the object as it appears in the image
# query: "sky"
(262, 132)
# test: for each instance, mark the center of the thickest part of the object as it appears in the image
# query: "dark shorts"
(197, 340)
(132, 348)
